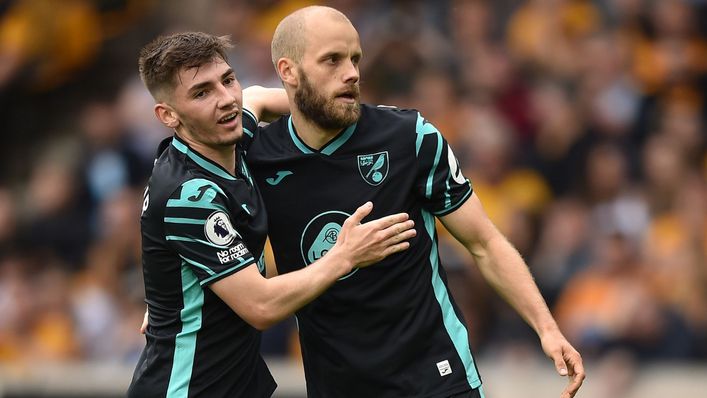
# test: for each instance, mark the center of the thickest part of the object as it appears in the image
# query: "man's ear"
(166, 115)
(288, 72)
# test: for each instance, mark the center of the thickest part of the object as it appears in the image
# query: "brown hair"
(161, 59)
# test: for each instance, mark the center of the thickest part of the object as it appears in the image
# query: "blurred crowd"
(580, 123)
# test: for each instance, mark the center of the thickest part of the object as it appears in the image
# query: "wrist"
(340, 262)
(547, 328)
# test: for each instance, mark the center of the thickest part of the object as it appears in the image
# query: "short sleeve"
(439, 179)
(199, 228)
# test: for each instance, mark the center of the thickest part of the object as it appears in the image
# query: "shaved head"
(290, 38)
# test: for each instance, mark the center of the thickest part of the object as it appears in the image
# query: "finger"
(143, 327)
(572, 387)
(399, 233)
(359, 214)
(391, 225)
(395, 248)
(576, 372)
(560, 365)
(387, 221)
(397, 229)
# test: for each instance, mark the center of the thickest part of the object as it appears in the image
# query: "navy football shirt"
(390, 330)
(199, 224)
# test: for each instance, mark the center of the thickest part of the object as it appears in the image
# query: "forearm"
(286, 293)
(504, 268)
(263, 302)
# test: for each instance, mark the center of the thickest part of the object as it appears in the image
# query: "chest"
(314, 183)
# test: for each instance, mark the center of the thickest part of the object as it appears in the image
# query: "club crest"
(373, 167)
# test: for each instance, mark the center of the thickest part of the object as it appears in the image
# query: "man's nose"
(226, 97)
(351, 73)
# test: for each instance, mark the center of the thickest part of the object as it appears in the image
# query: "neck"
(311, 133)
(224, 155)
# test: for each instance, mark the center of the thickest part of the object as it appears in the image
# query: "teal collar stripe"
(302, 147)
(455, 328)
(246, 172)
(329, 148)
(250, 114)
(341, 140)
(185, 342)
(201, 161)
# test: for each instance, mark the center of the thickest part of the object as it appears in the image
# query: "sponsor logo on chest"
(320, 235)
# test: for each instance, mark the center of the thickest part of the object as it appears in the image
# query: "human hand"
(371, 242)
(143, 327)
(567, 361)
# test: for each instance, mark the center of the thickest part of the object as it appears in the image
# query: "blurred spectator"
(143, 131)
(607, 92)
(437, 99)
(676, 252)
(44, 43)
(609, 305)
(16, 298)
(559, 136)
(52, 334)
(8, 221)
(669, 51)
(543, 34)
(616, 205)
(47, 41)
(110, 161)
(580, 123)
(55, 219)
(563, 248)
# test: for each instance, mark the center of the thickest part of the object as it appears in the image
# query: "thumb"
(560, 365)
(360, 214)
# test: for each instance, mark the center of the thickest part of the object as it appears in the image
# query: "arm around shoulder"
(266, 104)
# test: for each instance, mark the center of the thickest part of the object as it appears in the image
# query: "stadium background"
(580, 123)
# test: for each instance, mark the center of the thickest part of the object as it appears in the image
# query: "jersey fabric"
(390, 330)
(199, 225)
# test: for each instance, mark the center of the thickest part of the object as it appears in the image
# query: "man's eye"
(200, 94)
(228, 81)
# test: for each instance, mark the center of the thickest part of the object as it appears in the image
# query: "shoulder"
(278, 125)
(405, 120)
(195, 198)
(174, 178)
(270, 139)
(388, 112)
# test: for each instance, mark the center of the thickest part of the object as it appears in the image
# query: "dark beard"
(323, 112)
